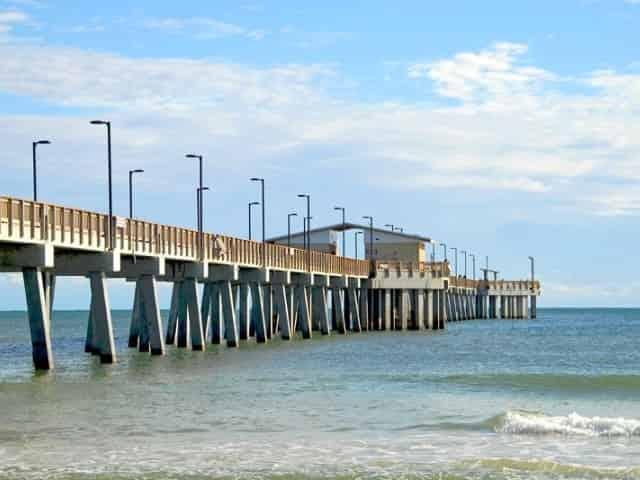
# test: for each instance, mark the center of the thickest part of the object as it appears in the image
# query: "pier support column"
(258, 313)
(443, 302)
(404, 310)
(145, 331)
(267, 296)
(363, 303)
(192, 301)
(172, 321)
(243, 312)
(39, 312)
(216, 321)
(320, 311)
(229, 313)
(100, 332)
(303, 311)
(337, 296)
(387, 309)
(420, 309)
(534, 309)
(525, 305)
(428, 310)
(281, 304)
(354, 310)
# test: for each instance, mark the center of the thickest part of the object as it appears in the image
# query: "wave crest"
(523, 422)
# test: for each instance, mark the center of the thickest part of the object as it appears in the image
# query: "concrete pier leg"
(338, 307)
(195, 320)
(229, 314)
(281, 301)
(89, 346)
(498, 306)
(428, 310)
(387, 308)
(525, 304)
(403, 304)
(101, 315)
(354, 310)
(302, 300)
(420, 308)
(320, 311)
(172, 321)
(244, 314)
(259, 320)
(267, 298)
(134, 327)
(444, 317)
(39, 313)
(183, 317)
(143, 344)
(534, 307)
(363, 302)
(435, 295)
(216, 323)
(379, 314)
(205, 308)
(152, 318)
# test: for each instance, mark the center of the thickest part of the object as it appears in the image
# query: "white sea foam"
(520, 422)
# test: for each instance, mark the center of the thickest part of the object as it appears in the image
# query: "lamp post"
(344, 236)
(370, 218)
(455, 264)
(465, 262)
(444, 247)
(398, 229)
(131, 173)
(473, 258)
(200, 188)
(251, 204)
(261, 180)
(289, 227)
(533, 277)
(199, 202)
(35, 174)
(355, 243)
(308, 228)
(390, 226)
(110, 180)
(434, 244)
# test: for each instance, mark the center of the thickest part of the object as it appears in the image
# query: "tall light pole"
(533, 276)
(261, 180)
(251, 205)
(390, 226)
(465, 262)
(370, 218)
(344, 234)
(355, 243)
(199, 199)
(434, 244)
(289, 227)
(473, 258)
(455, 264)
(308, 228)
(111, 229)
(35, 171)
(444, 247)
(131, 173)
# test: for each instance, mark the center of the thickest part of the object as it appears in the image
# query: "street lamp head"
(367, 217)
(42, 142)
(360, 232)
(294, 214)
(256, 179)
(137, 170)
(202, 189)
(99, 122)
(338, 208)
(192, 155)
(254, 203)
(303, 195)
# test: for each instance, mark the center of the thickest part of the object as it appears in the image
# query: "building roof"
(339, 227)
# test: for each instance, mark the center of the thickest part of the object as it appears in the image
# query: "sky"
(506, 129)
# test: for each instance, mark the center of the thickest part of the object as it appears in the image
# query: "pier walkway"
(250, 290)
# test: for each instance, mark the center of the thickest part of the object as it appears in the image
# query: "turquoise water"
(556, 397)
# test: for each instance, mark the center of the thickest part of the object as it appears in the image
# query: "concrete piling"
(101, 341)
(39, 312)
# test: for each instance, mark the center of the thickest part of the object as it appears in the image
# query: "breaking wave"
(534, 423)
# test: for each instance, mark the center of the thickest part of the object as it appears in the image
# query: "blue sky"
(505, 128)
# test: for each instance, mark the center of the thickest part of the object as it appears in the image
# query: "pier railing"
(510, 285)
(26, 221)
(460, 282)
(437, 269)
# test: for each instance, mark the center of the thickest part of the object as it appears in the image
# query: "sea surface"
(556, 397)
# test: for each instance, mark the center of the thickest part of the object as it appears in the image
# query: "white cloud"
(10, 18)
(482, 76)
(202, 28)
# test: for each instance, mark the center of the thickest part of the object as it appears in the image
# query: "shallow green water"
(558, 397)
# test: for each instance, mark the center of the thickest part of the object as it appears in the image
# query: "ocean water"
(556, 397)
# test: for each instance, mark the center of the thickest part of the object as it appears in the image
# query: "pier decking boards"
(251, 290)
